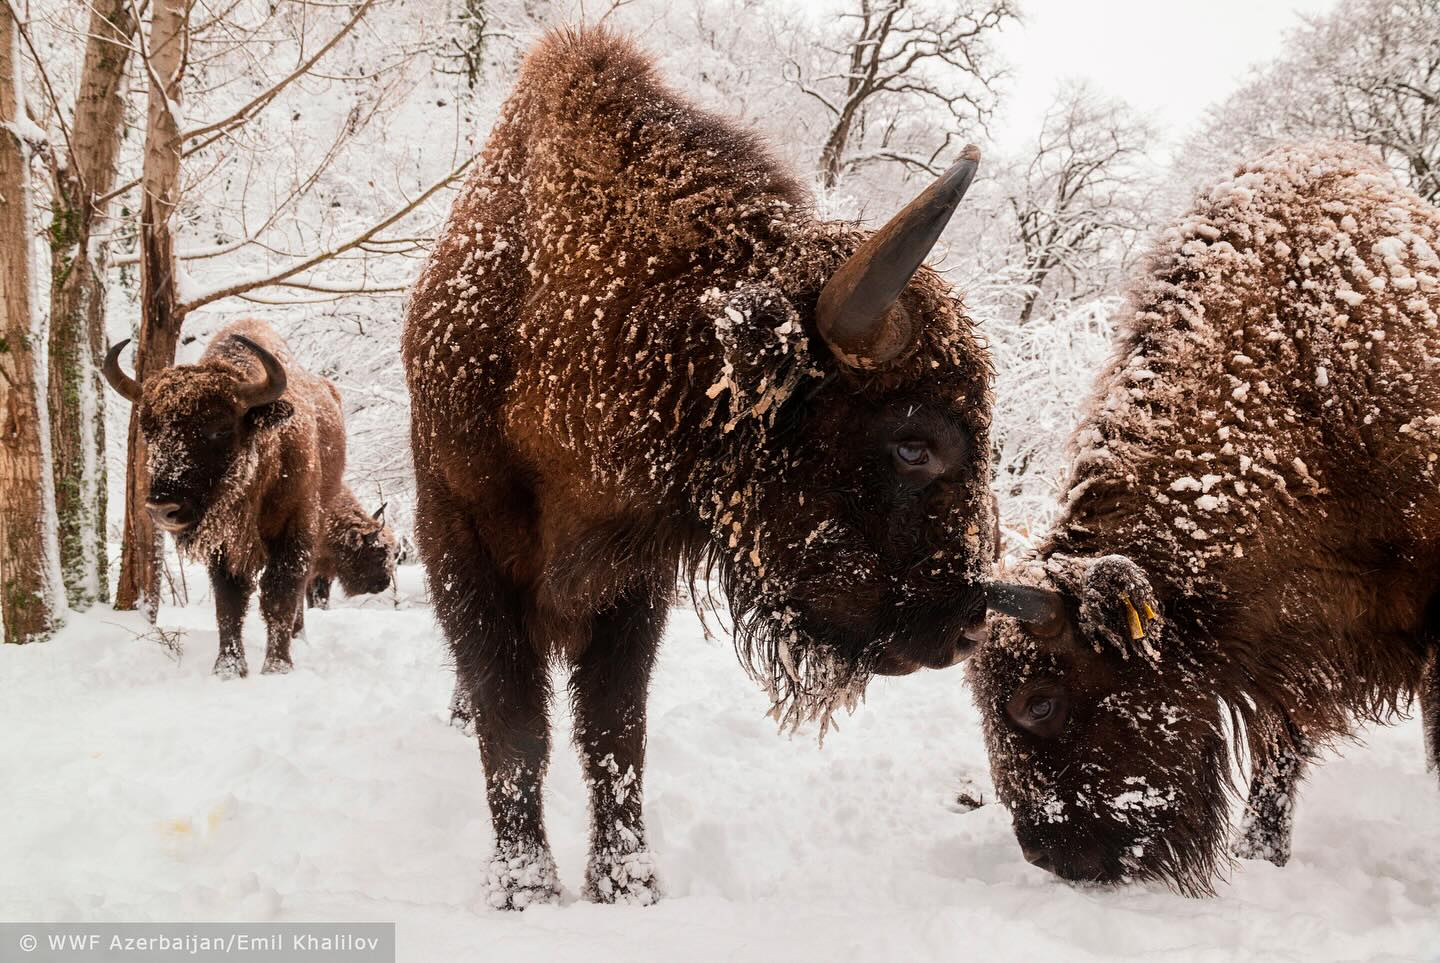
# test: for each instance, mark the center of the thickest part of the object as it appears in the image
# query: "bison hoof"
(520, 880)
(613, 878)
(1250, 844)
(230, 666)
(462, 713)
(274, 665)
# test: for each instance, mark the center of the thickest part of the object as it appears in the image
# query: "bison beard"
(634, 352)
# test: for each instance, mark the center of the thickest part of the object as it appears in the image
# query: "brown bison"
(635, 351)
(355, 546)
(244, 448)
(1249, 552)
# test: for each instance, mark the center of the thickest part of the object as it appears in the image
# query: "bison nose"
(1037, 857)
(976, 634)
(169, 516)
(1076, 866)
(963, 648)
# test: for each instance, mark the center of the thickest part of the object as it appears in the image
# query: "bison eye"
(1042, 710)
(913, 453)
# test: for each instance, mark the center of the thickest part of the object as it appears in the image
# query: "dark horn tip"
(128, 387)
(112, 357)
(275, 381)
(1040, 608)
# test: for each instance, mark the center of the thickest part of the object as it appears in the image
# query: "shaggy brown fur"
(1259, 468)
(356, 546)
(615, 372)
(247, 482)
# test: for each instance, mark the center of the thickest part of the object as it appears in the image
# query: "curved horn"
(127, 387)
(267, 389)
(379, 512)
(857, 314)
(1043, 610)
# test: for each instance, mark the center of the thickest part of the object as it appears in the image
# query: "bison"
(1248, 555)
(244, 447)
(635, 351)
(355, 546)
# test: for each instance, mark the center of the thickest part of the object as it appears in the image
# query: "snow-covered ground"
(139, 788)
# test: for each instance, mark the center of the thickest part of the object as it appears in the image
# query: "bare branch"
(269, 280)
(24, 27)
(259, 102)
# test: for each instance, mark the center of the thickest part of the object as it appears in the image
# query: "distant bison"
(1249, 551)
(635, 350)
(355, 546)
(244, 447)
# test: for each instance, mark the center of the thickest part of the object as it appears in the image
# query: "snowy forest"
(168, 167)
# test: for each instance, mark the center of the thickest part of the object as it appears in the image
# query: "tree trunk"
(161, 316)
(77, 305)
(27, 593)
(832, 155)
(864, 62)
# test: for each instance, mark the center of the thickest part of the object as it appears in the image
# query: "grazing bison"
(1249, 551)
(355, 546)
(244, 447)
(634, 350)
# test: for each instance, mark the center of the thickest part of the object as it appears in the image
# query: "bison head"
(199, 423)
(1105, 747)
(848, 498)
(365, 551)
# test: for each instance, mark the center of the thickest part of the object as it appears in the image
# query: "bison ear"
(265, 417)
(763, 349)
(1119, 606)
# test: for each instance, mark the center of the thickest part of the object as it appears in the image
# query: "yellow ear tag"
(1137, 631)
(1150, 615)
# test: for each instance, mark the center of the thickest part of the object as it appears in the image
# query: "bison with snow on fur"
(356, 547)
(244, 448)
(634, 352)
(1249, 553)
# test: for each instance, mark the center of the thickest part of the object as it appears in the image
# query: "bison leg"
(282, 589)
(608, 689)
(510, 702)
(505, 681)
(232, 599)
(462, 716)
(1430, 710)
(318, 594)
(1270, 809)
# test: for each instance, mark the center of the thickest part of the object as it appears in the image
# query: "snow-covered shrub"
(1043, 373)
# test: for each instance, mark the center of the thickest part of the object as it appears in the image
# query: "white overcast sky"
(1169, 58)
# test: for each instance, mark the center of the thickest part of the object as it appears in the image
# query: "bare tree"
(1368, 71)
(1080, 198)
(82, 173)
(900, 57)
(164, 58)
(28, 596)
